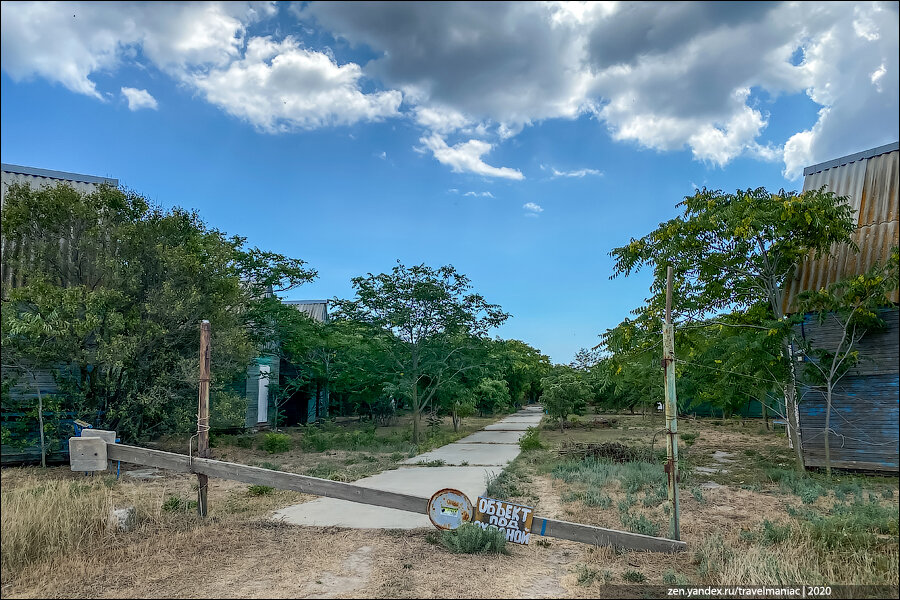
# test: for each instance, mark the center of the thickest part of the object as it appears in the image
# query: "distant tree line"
(109, 295)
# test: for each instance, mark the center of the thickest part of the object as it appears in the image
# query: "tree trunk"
(40, 420)
(827, 428)
(790, 406)
(765, 413)
(455, 419)
(416, 412)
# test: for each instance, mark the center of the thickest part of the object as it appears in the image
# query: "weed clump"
(276, 443)
(472, 539)
(260, 490)
(531, 440)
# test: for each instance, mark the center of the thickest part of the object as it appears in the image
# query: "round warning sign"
(448, 509)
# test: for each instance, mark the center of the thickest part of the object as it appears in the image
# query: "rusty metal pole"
(671, 414)
(203, 416)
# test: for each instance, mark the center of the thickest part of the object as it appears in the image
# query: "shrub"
(688, 438)
(472, 539)
(275, 443)
(260, 490)
(531, 440)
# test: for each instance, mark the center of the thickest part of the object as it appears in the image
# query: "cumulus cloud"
(533, 207)
(465, 157)
(662, 76)
(279, 86)
(69, 42)
(138, 99)
(479, 194)
(668, 76)
(274, 85)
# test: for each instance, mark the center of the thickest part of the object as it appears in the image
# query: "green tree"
(492, 396)
(121, 288)
(562, 393)
(430, 315)
(733, 251)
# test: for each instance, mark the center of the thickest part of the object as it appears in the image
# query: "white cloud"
(578, 173)
(279, 86)
(479, 194)
(138, 99)
(69, 42)
(465, 157)
(663, 76)
(533, 207)
(668, 77)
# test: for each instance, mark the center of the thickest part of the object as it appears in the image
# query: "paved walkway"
(466, 466)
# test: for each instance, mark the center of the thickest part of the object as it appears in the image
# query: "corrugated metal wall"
(872, 187)
(865, 411)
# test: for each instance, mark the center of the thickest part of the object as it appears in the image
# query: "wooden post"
(203, 416)
(671, 414)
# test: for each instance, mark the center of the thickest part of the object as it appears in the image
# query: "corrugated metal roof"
(60, 175)
(315, 309)
(870, 181)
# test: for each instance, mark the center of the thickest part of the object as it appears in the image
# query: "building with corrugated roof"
(23, 430)
(305, 405)
(865, 414)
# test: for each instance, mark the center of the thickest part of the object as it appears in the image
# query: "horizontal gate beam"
(587, 534)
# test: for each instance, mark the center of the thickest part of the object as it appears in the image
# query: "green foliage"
(731, 255)
(492, 396)
(176, 504)
(472, 539)
(116, 318)
(260, 490)
(688, 438)
(639, 524)
(852, 526)
(429, 320)
(531, 440)
(562, 394)
(807, 488)
(275, 443)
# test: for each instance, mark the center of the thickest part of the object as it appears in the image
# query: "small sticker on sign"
(513, 519)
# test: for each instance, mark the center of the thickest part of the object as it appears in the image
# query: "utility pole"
(671, 414)
(203, 416)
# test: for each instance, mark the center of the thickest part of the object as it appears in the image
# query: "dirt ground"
(239, 553)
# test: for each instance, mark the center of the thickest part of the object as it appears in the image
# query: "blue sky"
(518, 142)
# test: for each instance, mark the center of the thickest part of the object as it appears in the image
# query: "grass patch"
(509, 483)
(260, 490)
(634, 576)
(472, 539)
(688, 438)
(52, 519)
(639, 524)
(586, 574)
(177, 504)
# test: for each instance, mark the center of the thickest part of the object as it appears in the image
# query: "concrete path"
(464, 465)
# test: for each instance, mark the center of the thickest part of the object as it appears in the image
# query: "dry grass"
(236, 553)
(43, 519)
